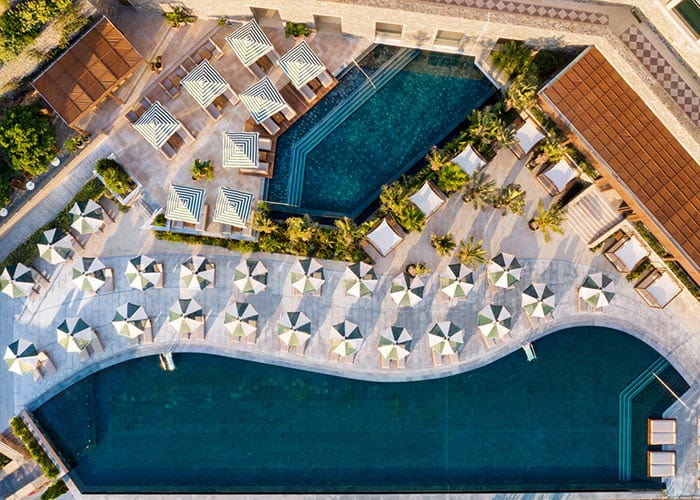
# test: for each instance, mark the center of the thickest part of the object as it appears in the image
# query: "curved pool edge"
(389, 376)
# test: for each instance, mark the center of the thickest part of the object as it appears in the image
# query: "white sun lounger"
(557, 178)
(661, 431)
(469, 160)
(661, 463)
(385, 237)
(626, 253)
(658, 289)
(428, 199)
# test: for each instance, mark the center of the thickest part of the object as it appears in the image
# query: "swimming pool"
(223, 425)
(382, 118)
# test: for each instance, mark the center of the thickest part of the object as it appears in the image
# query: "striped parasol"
(307, 276)
(88, 274)
(17, 280)
(21, 357)
(359, 280)
(445, 338)
(493, 321)
(157, 125)
(74, 334)
(54, 246)
(538, 300)
(249, 43)
(262, 100)
(184, 203)
(86, 217)
(407, 290)
(250, 276)
(233, 207)
(504, 270)
(301, 64)
(345, 339)
(294, 329)
(241, 149)
(197, 273)
(241, 319)
(598, 290)
(130, 320)
(394, 343)
(143, 272)
(186, 316)
(457, 281)
(204, 83)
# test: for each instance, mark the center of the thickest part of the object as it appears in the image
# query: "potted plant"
(548, 220)
(156, 64)
(178, 16)
(202, 170)
(76, 142)
(296, 30)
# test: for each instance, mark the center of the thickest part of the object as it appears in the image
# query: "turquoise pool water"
(224, 425)
(377, 123)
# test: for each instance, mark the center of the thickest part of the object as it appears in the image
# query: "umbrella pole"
(529, 319)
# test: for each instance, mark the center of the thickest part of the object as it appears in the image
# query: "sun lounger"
(46, 363)
(658, 289)
(212, 47)
(626, 253)
(148, 333)
(326, 79)
(84, 354)
(170, 88)
(96, 344)
(288, 112)
(168, 151)
(437, 359)
(270, 126)
(661, 431)
(428, 198)
(661, 463)
(307, 93)
(385, 237)
(213, 112)
(558, 177)
(469, 160)
(527, 136)
(265, 143)
(36, 374)
(202, 224)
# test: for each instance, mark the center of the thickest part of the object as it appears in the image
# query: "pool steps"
(625, 424)
(337, 116)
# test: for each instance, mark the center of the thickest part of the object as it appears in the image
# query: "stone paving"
(579, 13)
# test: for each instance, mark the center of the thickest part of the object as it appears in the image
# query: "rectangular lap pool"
(384, 116)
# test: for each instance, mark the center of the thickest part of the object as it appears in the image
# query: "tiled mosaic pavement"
(671, 81)
(533, 10)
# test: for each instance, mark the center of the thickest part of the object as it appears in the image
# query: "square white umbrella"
(184, 204)
(197, 273)
(241, 319)
(249, 42)
(262, 100)
(301, 64)
(250, 276)
(157, 125)
(241, 150)
(233, 207)
(204, 83)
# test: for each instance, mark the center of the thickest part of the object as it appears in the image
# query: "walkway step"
(591, 216)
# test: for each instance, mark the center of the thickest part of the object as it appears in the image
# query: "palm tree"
(393, 198)
(512, 58)
(504, 135)
(261, 220)
(479, 190)
(471, 253)
(554, 149)
(299, 231)
(418, 269)
(411, 218)
(443, 245)
(347, 236)
(522, 92)
(511, 198)
(435, 158)
(451, 178)
(548, 220)
(482, 124)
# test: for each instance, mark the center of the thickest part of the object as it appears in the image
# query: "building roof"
(88, 71)
(634, 144)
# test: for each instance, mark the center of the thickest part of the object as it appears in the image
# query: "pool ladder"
(166, 361)
(337, 116)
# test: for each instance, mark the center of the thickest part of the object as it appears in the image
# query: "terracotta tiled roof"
(88, 71)
(634, 143)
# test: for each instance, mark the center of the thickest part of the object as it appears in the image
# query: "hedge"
(192, 239)
(115, 177)
(4, 460)
(55, 490)
(27, 251)
(20, 429)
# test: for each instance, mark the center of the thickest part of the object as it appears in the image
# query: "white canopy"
(384, 238)
(301, 64)
(157, 125)
(233, 207)
(427, 199)
(204, 83)
(249, 43)
(241, 149)
(262, 100)
(631, 253)
(560, 174)
(184, 203)
(663, 289)
(528, 135)
(469, 160)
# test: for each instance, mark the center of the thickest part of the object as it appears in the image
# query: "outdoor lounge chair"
(213, 48)
(168, 151)
(46, 363)
(429, 198)
(203, 221)
(171, 88)
(661, 463)
(96, 343)
(557, 177)
(385, 237)
(527, 136)
(265, 144)
(307, 93)
(626, 253)
(326, 79)
(657, 289)
(288, 112)
(661, 431)
(213, 111)
(469, 160)
(109, 280)
(270, 126)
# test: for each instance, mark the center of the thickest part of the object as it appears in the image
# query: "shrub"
(548, 220)
(159, 220)
(684, 278)
(115, 177)
(642, 268)
(522, 92)
(651, 240)
(55, 490)
(4, 460)
(411, 218)
(510, 198)
(443, 245)
(451, 178)
(178, 16)
(471, 253)
(418, 269)
(296, 29)
(202, 170)
(512, 58)
(20, 429)
(29, 139)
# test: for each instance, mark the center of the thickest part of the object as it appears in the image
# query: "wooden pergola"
(88, 72)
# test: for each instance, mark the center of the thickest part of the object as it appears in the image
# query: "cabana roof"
(559, 175)
(658, 289)
(384, 237)
(185, 204)
(638, 155)
(233, 207)
(157, 125)
(262, 100)
(301, 64)
(528, 135)
(249, 43)
(469, 160)
(631, 252)
(241, 149)
(204, 84)
(93, 67)
(428, 199)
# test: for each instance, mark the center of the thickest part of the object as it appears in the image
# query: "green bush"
(642, 268)
(20, 429)
(55, 490)
(28, 138)
(115, 177)
(513, 58)
(27, 251)
(24, 21)
(684, 278)
(160, 220)
(651, 240)
(296, 29)
(4, 460)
